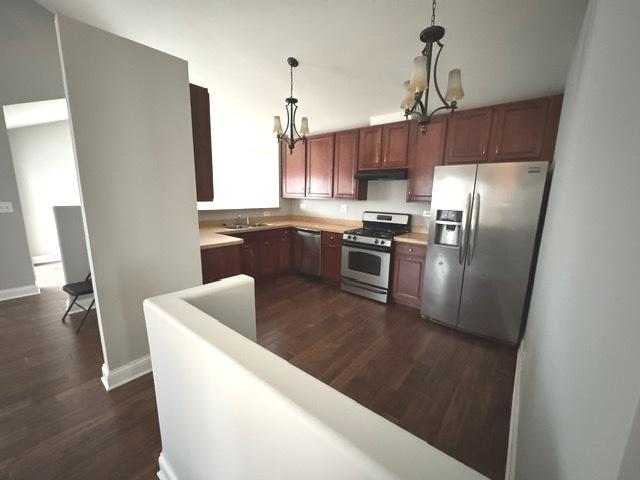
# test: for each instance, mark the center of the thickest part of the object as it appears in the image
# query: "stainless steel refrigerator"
(481, 244)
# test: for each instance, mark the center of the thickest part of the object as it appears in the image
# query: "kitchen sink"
(241, 226)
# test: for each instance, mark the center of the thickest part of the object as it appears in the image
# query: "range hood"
(395, 174)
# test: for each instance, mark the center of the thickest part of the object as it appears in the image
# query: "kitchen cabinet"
(285, 250)
(220, 263)
(425, 153)
(408, 272)
(468, 135)
(345, 165)
(201, 129)
(370, 148)
(331, 256)
(383, 146)
(319, 169)
(294, 170)
(395, 137)
(249, 256)
(525, 131)
(268, 255)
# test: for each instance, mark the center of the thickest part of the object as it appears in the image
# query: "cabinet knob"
(411, 249)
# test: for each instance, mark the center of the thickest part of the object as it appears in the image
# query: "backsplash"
(383, 196)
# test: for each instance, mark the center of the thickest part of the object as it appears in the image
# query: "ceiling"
(354, 54)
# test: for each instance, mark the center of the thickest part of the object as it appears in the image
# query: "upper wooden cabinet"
(320, 166)
(383, 146)
(518, 130)
(201, 128)
(370, 148)
(395, 137)
(425, 153)
(345, 165)
(468, 136)
(293, 170)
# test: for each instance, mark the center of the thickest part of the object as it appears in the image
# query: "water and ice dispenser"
(448, 228)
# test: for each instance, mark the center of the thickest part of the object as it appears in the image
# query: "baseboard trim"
(18, 292)
(119, 376)
(510, 470)
(165, 472)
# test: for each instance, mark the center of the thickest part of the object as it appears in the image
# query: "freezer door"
(505, 215)
(450, 206)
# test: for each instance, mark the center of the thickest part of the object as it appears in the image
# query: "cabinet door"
(370, 148)
(518, 131)
(345, 165)
(201, 128)
(331, 256)
(210, 269)
(320, 166)
(425, 153)
(221, 262)
(249, 258)
(285, 251)
(293, 170)
(408, 272)
(268, 255)
(468, 136)
(395, 139)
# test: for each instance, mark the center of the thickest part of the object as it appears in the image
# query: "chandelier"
(290, 135)
(416, 99)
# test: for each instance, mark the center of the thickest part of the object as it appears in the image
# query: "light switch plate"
(303, 205)
(426, 213)
(267, 213)
(344, 208)
(6, 207)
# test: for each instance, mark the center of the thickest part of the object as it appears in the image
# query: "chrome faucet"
(240, 220)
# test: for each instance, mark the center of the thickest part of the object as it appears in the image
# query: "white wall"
(230, 409)
(46, 176)
(580, 386)
(382, 196)
(30, 71)
(131, 124)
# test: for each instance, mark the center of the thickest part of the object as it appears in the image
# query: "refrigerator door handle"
(465, 227)
(473, 234)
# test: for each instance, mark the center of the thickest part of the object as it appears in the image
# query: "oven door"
(366, 266)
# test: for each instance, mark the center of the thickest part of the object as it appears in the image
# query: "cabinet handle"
(484, 150)
(411, 249)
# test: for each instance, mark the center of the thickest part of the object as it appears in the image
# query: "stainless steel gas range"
(366, 254)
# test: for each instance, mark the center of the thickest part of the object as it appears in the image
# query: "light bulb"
(419, 82)
(407, 101)
(304, 126)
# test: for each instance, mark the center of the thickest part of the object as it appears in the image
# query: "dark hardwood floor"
(58, 422)
(56, 419)
(446, 387)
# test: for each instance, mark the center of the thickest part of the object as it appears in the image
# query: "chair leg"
(69, 308)
(85, 316)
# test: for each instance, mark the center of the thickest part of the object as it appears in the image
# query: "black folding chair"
(77, 289)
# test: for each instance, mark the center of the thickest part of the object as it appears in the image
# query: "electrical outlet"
(344, 208)
(267, 213)
(303, 205)
(6, 207)
(426, 213)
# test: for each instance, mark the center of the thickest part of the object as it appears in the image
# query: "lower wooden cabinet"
(220, 263)
(263, 254)
(331, 256)
(408, 273)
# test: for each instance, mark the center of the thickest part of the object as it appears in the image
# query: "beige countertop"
(214, 235)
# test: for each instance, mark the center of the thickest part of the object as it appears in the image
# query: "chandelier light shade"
(416, 90)
(290, 135)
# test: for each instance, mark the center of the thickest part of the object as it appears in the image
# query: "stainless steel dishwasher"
(307, 251)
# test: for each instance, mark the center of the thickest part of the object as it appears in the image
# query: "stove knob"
(377, 241)
(348, 237)
(381, 242)
(354, 238)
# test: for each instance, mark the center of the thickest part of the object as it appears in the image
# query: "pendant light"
(290, 135)
(416, 90)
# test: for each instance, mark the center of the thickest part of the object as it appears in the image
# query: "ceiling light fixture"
(290, 135)
(421, 76)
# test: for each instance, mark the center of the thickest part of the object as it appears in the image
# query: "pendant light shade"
(407, 100)
(277, 125)
(304, 126)
(419, 80)
(454, 86)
